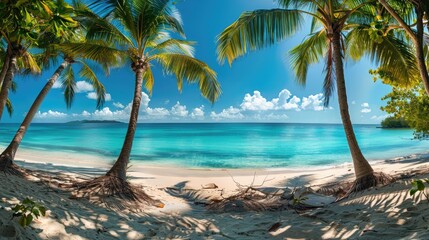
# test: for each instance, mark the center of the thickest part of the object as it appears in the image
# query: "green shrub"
(27, 211)
(418, 186)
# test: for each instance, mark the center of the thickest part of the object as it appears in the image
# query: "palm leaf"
(9, 107)
(69, 85)
(256, 30)
(88, 74)
(308, 52)
(148, 80)
(193, 70)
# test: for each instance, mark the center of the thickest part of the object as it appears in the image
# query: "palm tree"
(140, 30)
(406, 19)
(26, 22)
(261, 28)
(51, 44)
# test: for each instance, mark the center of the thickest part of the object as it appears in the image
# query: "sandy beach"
(386, 212)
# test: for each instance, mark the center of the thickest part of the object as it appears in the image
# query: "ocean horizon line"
(223, 122)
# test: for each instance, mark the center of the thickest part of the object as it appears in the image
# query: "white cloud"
(179, 110)
(93, 96)
(57, 84)
(256, 102)
(83, 86)
(230, 113)
(365, 108)
(158, 112)
(50, 114)
(118, 105)
(285, 102)
(198, 113)
(353, 102)
(314, 102)
(86, 114)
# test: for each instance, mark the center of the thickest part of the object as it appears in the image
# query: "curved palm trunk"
(361, 165)
(4, 69)
(8, 154)
(119, 169)
(7, 82)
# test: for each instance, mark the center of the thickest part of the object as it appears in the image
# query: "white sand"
(384, 213)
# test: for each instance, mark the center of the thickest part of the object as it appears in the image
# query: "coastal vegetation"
(63, 36)
(392, 122)
(141, 33)
(51, 52)
(339, 29)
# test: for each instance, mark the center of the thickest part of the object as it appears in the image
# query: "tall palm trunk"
(8, 154)
(361, 165)
(119, 169)
(419, 44)
(4, 92)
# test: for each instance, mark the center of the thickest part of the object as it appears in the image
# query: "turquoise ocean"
(220, 145)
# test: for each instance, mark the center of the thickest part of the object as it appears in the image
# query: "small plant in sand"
(418, 186)
(27, 211)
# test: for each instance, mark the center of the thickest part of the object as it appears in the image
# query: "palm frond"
(256, 30)
(97, 51)
(89, 75)
(69, 85)
(393, 55)
(30, 63)
(9, 107)
(148, 80)
(308, 52)
(193, 70)
(174, 46)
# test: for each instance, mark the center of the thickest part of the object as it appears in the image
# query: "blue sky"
(259, 87)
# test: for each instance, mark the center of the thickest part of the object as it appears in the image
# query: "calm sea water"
(221, 145)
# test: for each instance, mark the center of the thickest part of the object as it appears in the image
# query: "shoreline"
(163, 176)
(389, 212)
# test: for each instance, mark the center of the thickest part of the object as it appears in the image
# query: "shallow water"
(221, 145)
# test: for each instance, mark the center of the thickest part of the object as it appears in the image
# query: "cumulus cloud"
(198, 113)
(83, 86)
(230, 113)
(179, 110)
(93, 96)
(285, 102)
(314, 102)
(50, 114)
(256, 102)
(253, 107)
(365, 108)
(257, 107)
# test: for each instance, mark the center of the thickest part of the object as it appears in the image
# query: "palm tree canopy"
(351, 18)
(141, 30)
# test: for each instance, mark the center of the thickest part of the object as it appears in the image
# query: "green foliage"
(411, 105)
(418, 186)
(27, 211)
(392, 122)
(141, 31)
